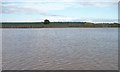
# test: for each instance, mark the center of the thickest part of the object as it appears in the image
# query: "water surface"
(60, 48)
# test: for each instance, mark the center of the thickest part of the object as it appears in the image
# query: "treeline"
(55, 24)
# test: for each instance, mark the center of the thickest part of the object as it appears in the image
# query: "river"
(60, 49)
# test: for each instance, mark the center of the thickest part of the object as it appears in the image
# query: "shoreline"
(60, 25)
(54, 27)
(63, 27)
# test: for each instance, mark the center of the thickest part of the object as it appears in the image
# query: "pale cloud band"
(64, 19)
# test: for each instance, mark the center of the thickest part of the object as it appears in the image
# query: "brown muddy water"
(60, 49)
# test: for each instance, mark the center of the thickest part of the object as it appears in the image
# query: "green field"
(55, 24)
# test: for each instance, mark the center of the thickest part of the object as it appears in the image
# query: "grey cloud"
(97, 4)
(105, 20)
(14, 9)
(95, 20)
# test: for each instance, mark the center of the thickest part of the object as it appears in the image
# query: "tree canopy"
(46, 21)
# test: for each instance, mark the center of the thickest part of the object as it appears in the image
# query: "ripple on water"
(57, 48)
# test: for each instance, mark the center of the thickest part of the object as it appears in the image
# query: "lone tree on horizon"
(46, 21)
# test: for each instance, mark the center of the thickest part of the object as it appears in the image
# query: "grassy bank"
(55, 25)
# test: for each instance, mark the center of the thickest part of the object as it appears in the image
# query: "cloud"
(45, 7)
(99, 3)
(32, 8)
(96, 4)
(59, 0)
(63, 19)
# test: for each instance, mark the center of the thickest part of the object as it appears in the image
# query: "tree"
(46, 21)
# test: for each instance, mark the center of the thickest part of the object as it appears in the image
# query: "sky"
(59, 10)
